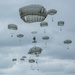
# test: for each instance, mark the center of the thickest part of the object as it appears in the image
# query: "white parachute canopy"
(60, 23)
(35, 50)
(33, 13)
(67, 42)
(52, 12)
(12, 27)
(44, 24)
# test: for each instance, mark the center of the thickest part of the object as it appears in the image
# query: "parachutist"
(34, 38)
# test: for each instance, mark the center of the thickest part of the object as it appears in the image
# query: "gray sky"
(56, 59)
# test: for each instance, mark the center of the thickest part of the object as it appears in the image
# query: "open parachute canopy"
(12, 27)
(20, 35)
(44, 24)
(33, 13)
(45, 37)
(67, 41)
(34, 32)
(60, 23)
(31, 60)
(35, 50)
(52, 12)
(22, 59)
(23, 56)
(14, 59)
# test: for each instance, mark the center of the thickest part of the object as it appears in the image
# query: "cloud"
(55, 58)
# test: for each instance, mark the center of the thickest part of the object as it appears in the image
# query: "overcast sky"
(55, 58)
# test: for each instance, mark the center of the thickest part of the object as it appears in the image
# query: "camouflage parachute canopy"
(67, 41)
(52, 12)
(44, 24)
(12, 27)
(31, 60)
(35, 50)
(60, 23)
(33, 13)
(45, 37)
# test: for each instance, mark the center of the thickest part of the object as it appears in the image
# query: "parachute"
(31, 61)
(20, 36)
(44, 24)
(34, 32)
(67, 42)
(52, 12)
(45, 38)
(23, 56)
(12, 27)
(22, 60)
(33, 13)
(60, 23)
(14, 60)
(35, 51)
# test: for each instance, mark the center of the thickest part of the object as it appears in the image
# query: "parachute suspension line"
(45, 44)
(37, 62)
(11, 34)
(44, 31)
(60, 28)
(52, 19)
(20, 41)
(67, 47)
